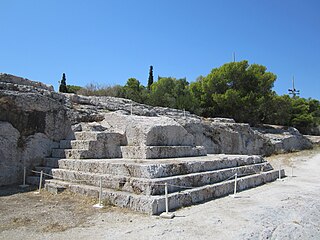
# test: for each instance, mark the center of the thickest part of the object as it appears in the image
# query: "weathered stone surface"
(36, 147)
(17, 152)
(226, 136)
(314, 139)
(148, 131)
(218, 135)
(156, 186)
(11, 79)
(32, 113)
(156, 204)
(39, 117)
(146, 168)
(285, 139)
(9, 156)
(156, 152)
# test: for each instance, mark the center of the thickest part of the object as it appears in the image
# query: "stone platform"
(138, 184)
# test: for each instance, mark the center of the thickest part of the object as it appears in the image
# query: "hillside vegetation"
(235, 90)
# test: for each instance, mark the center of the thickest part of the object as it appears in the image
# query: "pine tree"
(150, 79)
(63, 84)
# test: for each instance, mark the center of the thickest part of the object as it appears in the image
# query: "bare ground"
(288, 209)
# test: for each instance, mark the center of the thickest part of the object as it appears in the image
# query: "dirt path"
(288, 209)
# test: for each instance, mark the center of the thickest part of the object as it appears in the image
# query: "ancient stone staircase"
(86, 144)
(134, 166)
(139, 184)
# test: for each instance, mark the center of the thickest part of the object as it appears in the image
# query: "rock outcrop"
(284, 139)
(34, 119)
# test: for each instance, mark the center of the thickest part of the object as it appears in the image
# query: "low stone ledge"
(156, 152)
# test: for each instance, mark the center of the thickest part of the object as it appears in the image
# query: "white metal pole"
(279, 171)
(291, 171)
(24, 176)
(99, 204)
(235, 184)
(100, 192)
(166, 195)
(40, 183)
(131, 109)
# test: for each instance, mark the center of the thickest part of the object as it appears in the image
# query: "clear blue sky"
(109, 41)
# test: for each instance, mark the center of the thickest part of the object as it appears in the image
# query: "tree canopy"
(235, 90)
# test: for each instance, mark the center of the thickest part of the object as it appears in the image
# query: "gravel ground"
(287, 209)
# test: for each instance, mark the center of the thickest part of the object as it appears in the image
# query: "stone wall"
(32, 120)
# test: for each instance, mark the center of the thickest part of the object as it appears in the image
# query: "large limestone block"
(90, 144)
(149, 131)
(226, 136)
(36, 147)
(32, 112)
(156, 152)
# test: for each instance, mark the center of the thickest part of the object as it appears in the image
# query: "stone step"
(96, 135)
(139, 203)
(73, 153)
(86, 135)
(46, 170)
(76, 144)
(108, 152)
(58, 153)
(156, 186)
(34, 180)
(87, 154)
(156, 152)
(159, 168)
(55, 189)
(51, 162)
(156, 204)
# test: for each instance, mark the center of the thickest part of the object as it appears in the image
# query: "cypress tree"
(150, 79)
(63, 84)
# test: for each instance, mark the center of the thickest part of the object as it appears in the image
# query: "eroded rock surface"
(34, 120)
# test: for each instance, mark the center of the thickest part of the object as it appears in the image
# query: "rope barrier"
(235, 176)
(124, 182)
(166, 185)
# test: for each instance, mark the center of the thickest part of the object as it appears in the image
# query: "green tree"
(63, 84)
(235, 90)
(301, 118)
(73, 89)
(150, 79)
(134, 90)
(173, 93)
(279, 110)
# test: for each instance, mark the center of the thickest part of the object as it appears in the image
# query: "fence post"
(99, 204)
(235, 184)
(166, 196)
(279, 172)
(40, 182)
(166, 214)
(24, 178)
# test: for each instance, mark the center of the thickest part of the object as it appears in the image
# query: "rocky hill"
(34, 118)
